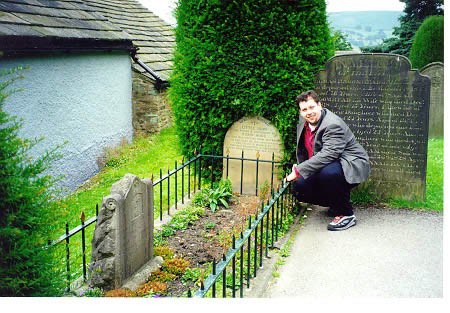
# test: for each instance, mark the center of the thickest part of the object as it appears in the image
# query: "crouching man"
(330, 161)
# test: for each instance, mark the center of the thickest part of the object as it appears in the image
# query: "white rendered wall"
(84, 99)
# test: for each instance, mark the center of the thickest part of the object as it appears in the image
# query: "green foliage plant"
(217, 197)
(27, 210)
(428, 44)
(181, 220)
(192, 274)
(340, 41)
(243, 58)
(210, 225)
(213, 198)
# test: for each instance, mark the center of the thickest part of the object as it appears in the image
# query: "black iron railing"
(246, 252)
(191, 180)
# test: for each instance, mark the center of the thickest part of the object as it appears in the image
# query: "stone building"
(97, 72)
(155, 41)
(76, 88)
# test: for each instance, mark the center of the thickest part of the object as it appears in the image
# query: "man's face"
(310, 110)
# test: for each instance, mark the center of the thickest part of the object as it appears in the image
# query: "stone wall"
(151, 109)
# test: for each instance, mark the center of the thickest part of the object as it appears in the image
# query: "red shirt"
(309, 143)
(309, 140)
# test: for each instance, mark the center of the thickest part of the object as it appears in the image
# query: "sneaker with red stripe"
(342, 222)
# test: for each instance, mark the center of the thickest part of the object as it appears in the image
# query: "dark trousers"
(327, 187)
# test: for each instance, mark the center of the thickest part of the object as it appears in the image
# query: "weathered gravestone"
(386, 105)
(435, 71)
(256, 137)
(122, 247)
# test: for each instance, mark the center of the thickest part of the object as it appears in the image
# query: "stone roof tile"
(65, 21)
(154, 38)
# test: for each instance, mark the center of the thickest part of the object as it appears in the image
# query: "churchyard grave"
(386, 105)
(252, 137)
(435, 71)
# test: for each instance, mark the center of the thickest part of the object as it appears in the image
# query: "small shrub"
(181, 220)
(192, 274)
(201, 198)
(226, 185)
(164, 252)
(176, 266)
(213, 198)
(218, 197)
(120, 293)
(162, 276)
(151, 288)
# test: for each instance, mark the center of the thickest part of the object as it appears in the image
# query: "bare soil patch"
(208, 238)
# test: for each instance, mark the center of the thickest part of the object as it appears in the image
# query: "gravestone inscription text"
(386, 105)
(257, 138)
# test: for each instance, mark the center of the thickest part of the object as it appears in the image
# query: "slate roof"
(153, 37)
(52, 25)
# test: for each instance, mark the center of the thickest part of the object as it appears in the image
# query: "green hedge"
(428, 44)
(240, 58)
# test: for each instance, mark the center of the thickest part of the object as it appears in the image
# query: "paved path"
(389, 253)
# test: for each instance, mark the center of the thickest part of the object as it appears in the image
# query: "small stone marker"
(386, 105)
(257, 137)
(122, 246)
(435, 71)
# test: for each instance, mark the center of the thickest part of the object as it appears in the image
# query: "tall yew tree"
(241, 58)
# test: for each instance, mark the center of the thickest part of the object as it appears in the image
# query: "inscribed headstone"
(386, 105)
(256, 137)
(123, 237)
(435, 71)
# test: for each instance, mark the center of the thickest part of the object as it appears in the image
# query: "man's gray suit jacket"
(333, 141)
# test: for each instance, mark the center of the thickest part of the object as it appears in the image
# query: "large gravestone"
(122, 246)
(257, 138)
(435, 71)
(386, 105)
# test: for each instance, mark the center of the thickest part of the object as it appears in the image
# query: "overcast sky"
(163, 8)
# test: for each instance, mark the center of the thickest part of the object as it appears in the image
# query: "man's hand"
(293, 175)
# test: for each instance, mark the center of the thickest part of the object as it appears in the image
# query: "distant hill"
(365, 28)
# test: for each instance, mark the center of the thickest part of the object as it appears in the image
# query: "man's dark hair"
(307, 94)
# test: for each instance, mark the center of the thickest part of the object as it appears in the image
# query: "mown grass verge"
(434, 197)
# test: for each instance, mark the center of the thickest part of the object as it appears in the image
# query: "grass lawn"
(435, 180)
(144, 157)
